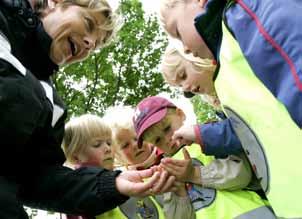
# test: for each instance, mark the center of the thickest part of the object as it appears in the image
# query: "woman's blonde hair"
(119, 118)
(79, 132)
(111, 24)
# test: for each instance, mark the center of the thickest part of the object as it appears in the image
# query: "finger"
(177, 135)
(146, 173)
(172, 171)
(159, 184)
(175, 162)
(186, 154)
(144, 187)
(168, 185)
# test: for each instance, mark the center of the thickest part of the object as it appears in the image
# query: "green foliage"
(204, 112)
(124, 72)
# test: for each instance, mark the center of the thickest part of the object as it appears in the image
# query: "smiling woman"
(84, 26)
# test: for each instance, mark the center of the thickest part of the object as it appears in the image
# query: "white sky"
(149, 6)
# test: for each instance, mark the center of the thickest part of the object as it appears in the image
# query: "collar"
(208, 25)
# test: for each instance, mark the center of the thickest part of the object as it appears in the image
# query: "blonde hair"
(111, 24)
(173, 58)
(166, 5)
(119, 118)
(79, 131)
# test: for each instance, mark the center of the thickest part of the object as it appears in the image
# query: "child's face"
(179, 23)
(160, 134)
(191, 78)
(98, 153)
(128, 148)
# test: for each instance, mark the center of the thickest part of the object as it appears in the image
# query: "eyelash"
(89, 24)
(182, 76)
(167, 129)
(157, 140)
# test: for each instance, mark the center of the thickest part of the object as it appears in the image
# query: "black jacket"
(32, 124)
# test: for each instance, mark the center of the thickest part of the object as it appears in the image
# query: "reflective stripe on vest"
(226, 204)
(271, 140)
(5, 54)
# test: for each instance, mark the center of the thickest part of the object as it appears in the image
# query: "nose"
(186, 50)
(107, 149)
(89, 43)
(186, 87)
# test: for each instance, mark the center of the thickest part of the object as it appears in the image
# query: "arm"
(231, 173)
(177, 205)
(218, 138)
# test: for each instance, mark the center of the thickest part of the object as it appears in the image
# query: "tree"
(124, 72)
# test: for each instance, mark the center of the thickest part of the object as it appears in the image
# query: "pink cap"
(148, 112)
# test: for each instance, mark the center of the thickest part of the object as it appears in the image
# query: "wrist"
(195, 176)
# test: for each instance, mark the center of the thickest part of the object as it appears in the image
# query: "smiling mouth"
(72, 46)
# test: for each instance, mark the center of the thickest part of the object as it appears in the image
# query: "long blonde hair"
(173, 58)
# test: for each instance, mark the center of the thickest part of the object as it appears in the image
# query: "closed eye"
(89, 24)
(125, 145)
(167, 128)
(157, 140)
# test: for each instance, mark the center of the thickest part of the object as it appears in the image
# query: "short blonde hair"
(79, 131)
(110, 26)
(119, 118)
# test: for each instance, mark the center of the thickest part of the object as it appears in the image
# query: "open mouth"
(73, 47)
(108, 159)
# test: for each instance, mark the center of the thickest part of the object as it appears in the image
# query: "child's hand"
(185, 135)
(183, 170)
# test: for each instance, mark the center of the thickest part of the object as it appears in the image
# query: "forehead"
(171, 17)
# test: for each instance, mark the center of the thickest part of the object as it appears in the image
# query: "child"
(193, 74)
(87, 143)
(156, 119)
(131, 156)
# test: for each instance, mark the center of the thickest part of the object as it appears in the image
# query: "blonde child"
(128, 154)
(193, 74)
(156, 119)
(88, 143)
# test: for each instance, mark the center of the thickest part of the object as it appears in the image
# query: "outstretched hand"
(183, 170)
(141, 183)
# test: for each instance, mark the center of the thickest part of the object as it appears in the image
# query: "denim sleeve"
(219, 139)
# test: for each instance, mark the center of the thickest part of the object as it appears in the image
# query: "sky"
(149, 6)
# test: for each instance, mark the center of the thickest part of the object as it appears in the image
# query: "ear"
(180, 113)
(201, 3)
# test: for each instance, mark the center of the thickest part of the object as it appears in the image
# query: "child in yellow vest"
(88, 143)
(156, 119)
(131, 157)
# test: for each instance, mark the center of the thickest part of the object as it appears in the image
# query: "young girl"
(87, 142)
(193, 74)
(128, 154)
